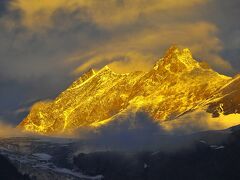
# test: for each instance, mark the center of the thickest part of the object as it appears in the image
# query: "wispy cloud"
(142, 48)
(47, 34)
(108, 14)
(7, 130)
(140, 132)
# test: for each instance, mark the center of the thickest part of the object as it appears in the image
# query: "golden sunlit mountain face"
(176, 85)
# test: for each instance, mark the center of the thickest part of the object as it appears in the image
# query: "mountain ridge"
(176, 84)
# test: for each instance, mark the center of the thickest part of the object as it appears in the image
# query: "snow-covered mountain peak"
(177, 60)
(176, 85)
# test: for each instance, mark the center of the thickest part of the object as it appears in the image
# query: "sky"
(45, 45)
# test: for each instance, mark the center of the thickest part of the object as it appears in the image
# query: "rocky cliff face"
(176, 85)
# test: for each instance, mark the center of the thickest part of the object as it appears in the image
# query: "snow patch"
(42, 156)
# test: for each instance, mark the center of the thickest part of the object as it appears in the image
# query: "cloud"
(7, 130)
(130, 132)
(200, 120)
(120, 62)
(110, 13)
(132, 61)
(139, 50)
(138, 131)
(126, 35)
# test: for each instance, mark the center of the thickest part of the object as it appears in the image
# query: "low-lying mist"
(7, 130)
(139, 132)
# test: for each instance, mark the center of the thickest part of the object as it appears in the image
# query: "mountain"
(177, 85)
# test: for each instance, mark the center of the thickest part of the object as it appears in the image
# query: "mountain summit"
(176, 85)
(176, 60)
